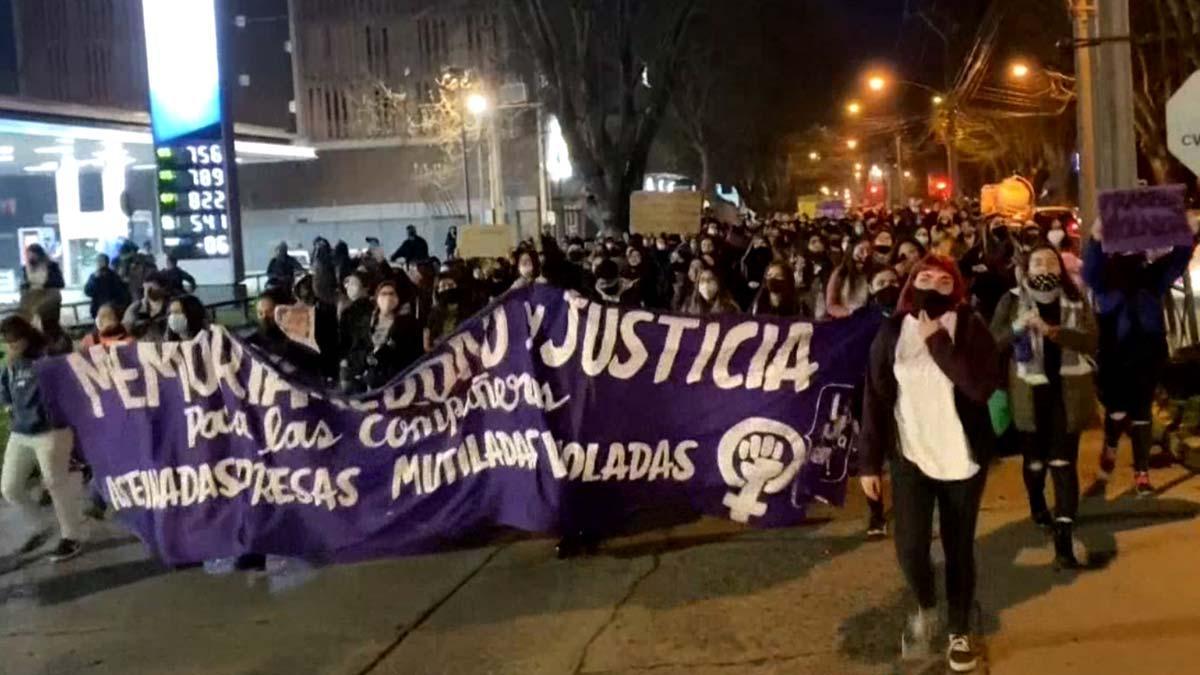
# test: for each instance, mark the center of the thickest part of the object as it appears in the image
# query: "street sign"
(1183, 124)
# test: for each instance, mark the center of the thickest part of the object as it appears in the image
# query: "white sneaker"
(917, 638)
(961, 655)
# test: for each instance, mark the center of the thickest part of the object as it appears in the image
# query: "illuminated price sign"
(193, 134)
(193, 200)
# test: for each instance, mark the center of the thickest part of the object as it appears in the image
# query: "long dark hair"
(1070, 290)
(17, 327)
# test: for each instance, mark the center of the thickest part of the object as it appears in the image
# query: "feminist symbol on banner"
(754, 456)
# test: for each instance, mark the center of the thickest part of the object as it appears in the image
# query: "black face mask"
(450, 296)
(931, 302)
(887, 298)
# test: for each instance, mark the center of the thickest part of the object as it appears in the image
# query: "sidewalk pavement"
(703, 598)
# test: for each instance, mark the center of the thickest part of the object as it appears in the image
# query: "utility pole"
(1104, 71)
(899, 169)
(496, 172)
(952, 149)
(466, 170)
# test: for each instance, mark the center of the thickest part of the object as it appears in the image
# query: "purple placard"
(1144, 219)
(545, 412)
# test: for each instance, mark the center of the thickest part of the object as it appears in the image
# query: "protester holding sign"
(1050, 333)
(1128, 290)
(37, 441)
(932, 369)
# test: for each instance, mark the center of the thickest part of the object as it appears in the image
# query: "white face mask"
(1056, 237)
(178, 324)
(707, 290)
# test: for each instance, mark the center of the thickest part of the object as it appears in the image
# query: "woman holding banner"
(933, 367)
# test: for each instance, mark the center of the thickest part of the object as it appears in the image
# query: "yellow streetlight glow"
(825, 190)
(908, 174)
(938, 100)
(852, 144)
(858, 166)
(1020, 70)
(814, 156)
(854, 108)
(477, 104)
(876, 83)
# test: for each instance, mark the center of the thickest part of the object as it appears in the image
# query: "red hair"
(936, 262)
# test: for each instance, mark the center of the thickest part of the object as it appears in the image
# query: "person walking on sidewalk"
(36, 441)
(1128, 291)
(933, 367)
(1051, 335)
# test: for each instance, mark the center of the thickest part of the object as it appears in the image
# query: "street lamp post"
(475, 104)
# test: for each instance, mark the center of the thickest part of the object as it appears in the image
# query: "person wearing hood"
(684, 271)
(1128, 291)
(354, 318)
(610, 287)
(324, 274)
(105, 287)
(933, 368)
(1050, 335)
(906, 257)
(283, 268)
(709, 296)
(41, 281)
(146, 319)
(641, 271)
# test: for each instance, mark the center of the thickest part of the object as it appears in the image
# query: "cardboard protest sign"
(546, 412)
(725, 212)
(1144, 219)
(486, 241)
(652, 213)
(299, 323)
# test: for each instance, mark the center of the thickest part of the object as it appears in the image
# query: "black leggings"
(914, 495)
(1127, 391)
(1058, 454)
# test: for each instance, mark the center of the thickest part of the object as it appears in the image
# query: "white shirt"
(931, 435)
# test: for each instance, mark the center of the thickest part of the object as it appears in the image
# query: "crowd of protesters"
(974, 307)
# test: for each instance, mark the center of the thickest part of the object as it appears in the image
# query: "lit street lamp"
(938, 100)
(854, 108)
(852, 144)
(876, 83)
(814, 156)
(1019, 70)
(475, 104)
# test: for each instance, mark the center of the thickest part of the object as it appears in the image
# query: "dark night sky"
(8, 54)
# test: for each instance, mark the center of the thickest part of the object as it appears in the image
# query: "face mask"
(707, 290)
(776, 286)
(887, 297)
(450, 296)
(178, 324)
(1045, 283)
(1056, 237)
(882, 249)
(931, 302)
(922, 238)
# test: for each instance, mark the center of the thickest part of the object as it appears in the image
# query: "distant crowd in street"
(983, 317)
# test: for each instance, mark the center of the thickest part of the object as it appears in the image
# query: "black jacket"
(104, 287)
(412, 250)
(972, 363)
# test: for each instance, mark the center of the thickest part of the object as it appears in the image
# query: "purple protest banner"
(1144, 219)
(545, 413)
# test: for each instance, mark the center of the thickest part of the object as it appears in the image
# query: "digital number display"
(193, 200)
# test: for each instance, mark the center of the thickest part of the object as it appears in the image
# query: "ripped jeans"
(1055, 454)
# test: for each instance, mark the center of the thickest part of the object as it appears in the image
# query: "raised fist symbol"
(757, 456)
(762, 457)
